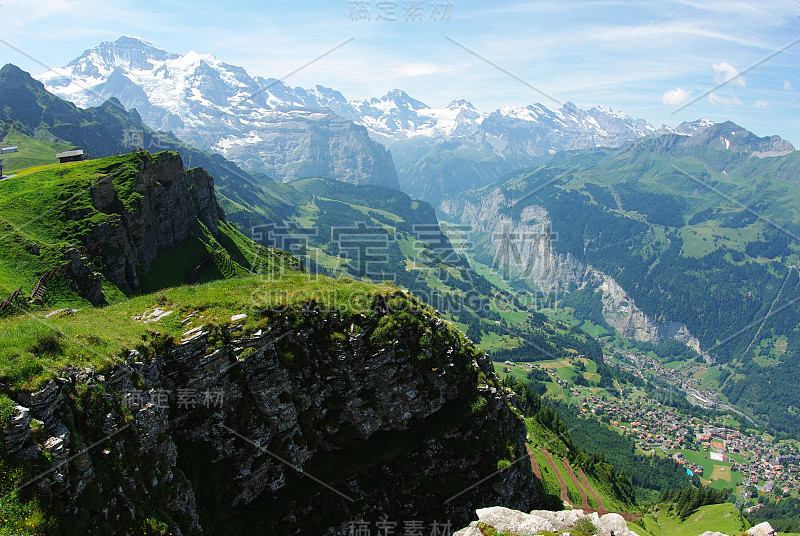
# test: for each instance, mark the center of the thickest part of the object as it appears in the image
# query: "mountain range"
(287, 132)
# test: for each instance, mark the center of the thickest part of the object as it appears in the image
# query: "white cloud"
(787, 85)
(715, 99)
(419, 69)
(669, 32)
(725, 72)
(676, 97)
(761, 104)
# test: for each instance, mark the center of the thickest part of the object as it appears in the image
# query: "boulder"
(612, 523)
(471, 530)
(563, 520)
(762, 529)
(507, 520)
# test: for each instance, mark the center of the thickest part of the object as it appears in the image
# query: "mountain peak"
(128, 52)
(570, 106)
(609, 111)
(396, 94)
(461, 103)
(12, 78)
(127, 40)
(732, 137)
(401, 98)
(9, 69)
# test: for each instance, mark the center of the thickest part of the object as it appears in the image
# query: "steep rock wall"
(316, 420)
(524, 249)
(167, 205)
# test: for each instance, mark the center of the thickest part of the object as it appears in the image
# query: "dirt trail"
(565, 497)
(534, 463)
(588, 486)
(559, 476)
(571, 473)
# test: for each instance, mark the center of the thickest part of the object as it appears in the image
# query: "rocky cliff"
(316, 420)
(296, 144)
(153, 207)
(524, 249)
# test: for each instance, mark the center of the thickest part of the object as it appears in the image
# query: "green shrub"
(584, 527)
(502, 464)
(47, 344)
(488, 530)
(6, 410)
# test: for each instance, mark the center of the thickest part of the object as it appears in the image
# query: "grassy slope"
(32, 152)
(718, 517)
(52, 209)
(542, 437)
(32, 349)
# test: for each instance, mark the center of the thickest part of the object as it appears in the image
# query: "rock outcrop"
(163, 204)
(516, 523)
(316, 420)
(762, 529)
(505, 520)
(523, 248)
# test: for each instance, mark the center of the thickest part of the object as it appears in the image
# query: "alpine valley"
(260, 308)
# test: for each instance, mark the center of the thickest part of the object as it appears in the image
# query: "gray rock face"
(515, 522)
(170, 203)
(295, 144)
(524, 249)
(89, 282)
(18, 429)
(380, 430)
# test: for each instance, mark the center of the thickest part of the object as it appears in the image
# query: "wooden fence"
(10, 300)
(39, 290)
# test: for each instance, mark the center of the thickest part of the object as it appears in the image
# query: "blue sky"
(646, 58)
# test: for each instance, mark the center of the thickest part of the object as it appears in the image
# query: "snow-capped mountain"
(261, 124)
(290, 132)
(397, 116)
(178, 93)
(509, 139)
(687, 128)
(538, 130)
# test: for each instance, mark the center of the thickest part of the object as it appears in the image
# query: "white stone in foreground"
(562, 520)
(762, 529)
(507, 520)
(613, 523)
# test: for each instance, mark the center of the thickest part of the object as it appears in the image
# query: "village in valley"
(722, 447)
